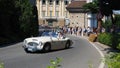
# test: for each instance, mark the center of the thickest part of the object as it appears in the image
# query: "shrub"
(118, 37)
(116, 40)
(1, 65)
(107, 25)
(113, 60)
(55, 63)
(112, 40)
(105, 38)
(118, 46)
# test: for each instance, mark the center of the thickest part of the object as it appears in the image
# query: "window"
(43, 21)
(43, 13)
(43, 2)
(50, 2)
(50, 13)
(50, 23)
(57, 2)
(66, 2)
(57, 13)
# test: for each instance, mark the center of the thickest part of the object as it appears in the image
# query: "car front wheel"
(26, 50)
(47, 47)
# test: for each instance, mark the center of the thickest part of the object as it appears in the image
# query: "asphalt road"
(80, 55)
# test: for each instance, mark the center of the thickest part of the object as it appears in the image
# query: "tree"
(107, 7)
(93, 7)
(27, 19)
(18, 19)
(8, 18)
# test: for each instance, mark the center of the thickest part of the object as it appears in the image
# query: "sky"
(116, 11)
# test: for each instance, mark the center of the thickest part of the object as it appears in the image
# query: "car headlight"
(25, 42)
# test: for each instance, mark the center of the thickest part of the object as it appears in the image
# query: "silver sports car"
(48, 41)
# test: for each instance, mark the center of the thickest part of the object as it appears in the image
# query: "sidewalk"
(104, 48)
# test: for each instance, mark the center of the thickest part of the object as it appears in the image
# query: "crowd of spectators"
(78, 31)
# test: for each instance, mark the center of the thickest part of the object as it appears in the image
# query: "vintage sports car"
(48, 41)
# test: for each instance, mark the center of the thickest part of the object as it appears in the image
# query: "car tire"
(47, 47)
(67, 45)
(26, 50)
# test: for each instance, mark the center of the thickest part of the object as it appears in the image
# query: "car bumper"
(31, 48)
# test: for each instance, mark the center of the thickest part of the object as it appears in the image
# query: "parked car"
(48, 41)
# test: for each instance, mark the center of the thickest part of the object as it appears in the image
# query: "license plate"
(29, 49)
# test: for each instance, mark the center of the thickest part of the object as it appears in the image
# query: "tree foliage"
(107, 25)
(92, 6)
(28, 23)
(18, 19)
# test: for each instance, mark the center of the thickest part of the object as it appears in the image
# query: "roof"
(76, 4)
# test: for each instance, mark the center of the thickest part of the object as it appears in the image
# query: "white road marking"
(102, 64)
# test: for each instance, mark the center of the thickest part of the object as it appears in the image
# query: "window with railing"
(66, 2)
(57, 13)
(43, 13)
(50, 13)
(57, 2)
(50, 2)
(43, 2)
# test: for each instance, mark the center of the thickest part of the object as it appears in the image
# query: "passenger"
(60, 35)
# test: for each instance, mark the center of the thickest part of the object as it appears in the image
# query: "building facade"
(91, 18)
(59, 13)
(53, 12)
(78, 17)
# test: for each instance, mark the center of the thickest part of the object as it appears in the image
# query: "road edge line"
(102, 64)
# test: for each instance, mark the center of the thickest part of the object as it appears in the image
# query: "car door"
(55, 43)
(62, 42)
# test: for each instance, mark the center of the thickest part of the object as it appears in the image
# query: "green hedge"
(105, 38)
(113, 60)
(109, 39)
(118, 37)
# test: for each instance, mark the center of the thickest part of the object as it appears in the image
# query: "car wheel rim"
(47, 48)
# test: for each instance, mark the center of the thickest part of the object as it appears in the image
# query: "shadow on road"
(40, 52)
(108, 50)
(9, 44)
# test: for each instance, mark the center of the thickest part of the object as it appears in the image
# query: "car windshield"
(53, 34)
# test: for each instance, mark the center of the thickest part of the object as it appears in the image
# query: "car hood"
(38, 39)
